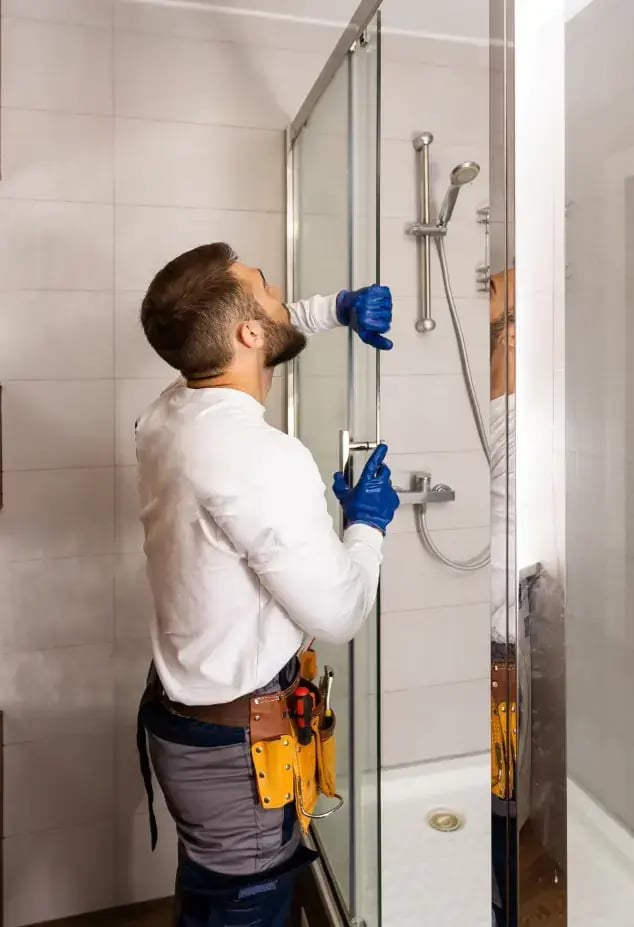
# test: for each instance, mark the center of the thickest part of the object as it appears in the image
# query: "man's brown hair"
(191, 309)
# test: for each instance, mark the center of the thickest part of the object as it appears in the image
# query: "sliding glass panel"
(322, 265)
(365, 426)
(335, 248)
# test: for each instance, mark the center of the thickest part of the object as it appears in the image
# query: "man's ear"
(250, 334)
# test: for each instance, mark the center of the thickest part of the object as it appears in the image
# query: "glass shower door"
(335, 247)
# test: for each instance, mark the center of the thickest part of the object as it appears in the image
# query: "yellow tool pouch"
(503, 731)
(308, 665)
(286, 770)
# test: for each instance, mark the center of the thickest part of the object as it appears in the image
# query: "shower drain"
(444, 820)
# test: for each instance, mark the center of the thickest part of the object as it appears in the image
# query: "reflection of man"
(501, 323)
(508, 654)
(244, 566)
(502, 327)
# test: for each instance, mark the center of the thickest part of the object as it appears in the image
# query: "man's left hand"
(369, 313)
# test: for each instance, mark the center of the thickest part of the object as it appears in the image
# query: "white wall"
(130, 132)
(540, 283)
(600, 446)
(435, 621)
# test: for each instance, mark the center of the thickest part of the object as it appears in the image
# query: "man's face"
(283, 341)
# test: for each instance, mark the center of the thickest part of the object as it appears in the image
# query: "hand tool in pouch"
(302, 713)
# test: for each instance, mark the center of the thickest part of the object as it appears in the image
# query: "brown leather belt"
(503, 675)
(267, 716)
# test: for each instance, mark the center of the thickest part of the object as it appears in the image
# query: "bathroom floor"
(152, 914)
(543, 899)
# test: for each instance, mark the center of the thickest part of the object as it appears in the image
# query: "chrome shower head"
(460, 175)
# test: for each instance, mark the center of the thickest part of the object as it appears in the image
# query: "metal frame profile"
(356, 27)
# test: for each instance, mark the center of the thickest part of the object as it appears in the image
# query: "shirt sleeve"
(278, 520)
(316, 314)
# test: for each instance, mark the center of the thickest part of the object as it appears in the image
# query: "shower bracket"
(422, 230)
(421, 491)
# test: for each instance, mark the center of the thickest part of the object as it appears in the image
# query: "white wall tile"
(276, 404)
(77, 772)
(412, 579)
(242, 25)
(59, 873)
(468, 475)
(323, 161)
(149, 237)
(219, 167)
(323, 412)
(58, 423)
(55, 335)
(128, 528)
(56, 156)
(431, 413)
(132, 661)
(326, 355)
(326, 236)
(129, 789)
(436, 351)
(396, 46)
(135, 359)
(56, 603)
(465, 249)
(435, 646)
(453, 103)
(133, 598)
(432, 722)
(132, 397)
(49, 66)
(82, 12)
(399, 178)
(140, 874)
(57, 513)
(61, 246)
(209, 82)
(67, 691)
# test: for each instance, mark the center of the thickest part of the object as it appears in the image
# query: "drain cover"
(444, 820)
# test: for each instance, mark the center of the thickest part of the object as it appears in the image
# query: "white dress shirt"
(243, 559)
(502, 517)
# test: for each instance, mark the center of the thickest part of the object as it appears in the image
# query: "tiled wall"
(130, 132)
(435, 621)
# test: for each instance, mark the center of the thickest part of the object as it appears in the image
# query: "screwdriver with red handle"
(304, 704)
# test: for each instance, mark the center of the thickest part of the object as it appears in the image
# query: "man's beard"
(283, 342)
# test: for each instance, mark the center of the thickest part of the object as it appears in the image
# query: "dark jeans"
(260, 903)
(237, 861)
(505, 856)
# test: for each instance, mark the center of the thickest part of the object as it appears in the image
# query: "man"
(508, 655)
(245, 568)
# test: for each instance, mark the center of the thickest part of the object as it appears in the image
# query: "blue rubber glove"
(368, 312)
(373, 501)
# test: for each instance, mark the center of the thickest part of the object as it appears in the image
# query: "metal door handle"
(347, 447)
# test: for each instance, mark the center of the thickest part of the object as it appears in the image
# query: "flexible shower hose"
(479, 560)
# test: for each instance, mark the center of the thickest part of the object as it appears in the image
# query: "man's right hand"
(373, 501)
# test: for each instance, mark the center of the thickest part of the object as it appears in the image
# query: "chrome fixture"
(347, 447)
(445, 820)
(421, 144)
(425, 231)
(422, 492)
(461, 174)
(483, 270)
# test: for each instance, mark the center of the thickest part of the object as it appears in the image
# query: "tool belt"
(503, 729)
(292, 741)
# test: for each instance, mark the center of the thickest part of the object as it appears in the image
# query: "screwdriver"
(304, 703)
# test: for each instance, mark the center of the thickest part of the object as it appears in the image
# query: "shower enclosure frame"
(501, 40)
(337, 907)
